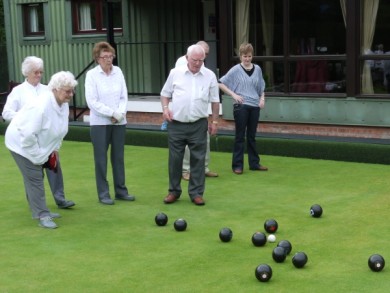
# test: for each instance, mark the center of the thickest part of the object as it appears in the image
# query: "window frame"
(26, 16)
(32, 39)
(98, 16)
(353, 57)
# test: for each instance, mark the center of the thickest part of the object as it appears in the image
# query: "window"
(311, 40)
(90, 16)
(33, 20)
(375, 73)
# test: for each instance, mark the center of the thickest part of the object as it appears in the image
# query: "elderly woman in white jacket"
(30, 89)
(35, 135)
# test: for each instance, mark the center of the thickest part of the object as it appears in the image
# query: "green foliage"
(119, 248)
(147, 138)
(313, 149)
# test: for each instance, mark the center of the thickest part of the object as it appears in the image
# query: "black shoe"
(107, 201)
(66, 204)
(127, 197)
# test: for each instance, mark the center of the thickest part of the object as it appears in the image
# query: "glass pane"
(34, 23)
(116, 15)
(375, 41)
(317, 76)
(273, 73)
(117, 11)
(87, 16)
(259, 22)
(377, 74)
(317, 27)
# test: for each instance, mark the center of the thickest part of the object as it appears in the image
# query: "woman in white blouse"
(34, 137)
(106, 96)
(30, 89)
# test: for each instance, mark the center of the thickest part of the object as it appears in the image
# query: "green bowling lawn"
(119, 248)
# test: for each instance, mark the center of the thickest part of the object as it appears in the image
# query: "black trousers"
(246, 119)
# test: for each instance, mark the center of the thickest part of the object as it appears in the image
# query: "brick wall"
(146, 118)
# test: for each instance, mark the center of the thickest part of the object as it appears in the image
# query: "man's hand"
(167, 115)
(213, 129)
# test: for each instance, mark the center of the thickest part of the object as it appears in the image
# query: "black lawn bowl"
(259, 239)
(180, 225)
(286, 245)
(316, 211)
(376, 262)
(161, 219)
(225, 234)
(299, 260)
(271, 226)
(279, 254)
(263, 273)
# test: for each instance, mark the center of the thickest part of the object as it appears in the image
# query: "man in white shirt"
(189, 89)
(186, 161)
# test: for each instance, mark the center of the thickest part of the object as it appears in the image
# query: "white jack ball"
(271, 238)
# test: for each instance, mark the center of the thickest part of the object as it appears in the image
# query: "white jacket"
(38, 128)
(19, 96)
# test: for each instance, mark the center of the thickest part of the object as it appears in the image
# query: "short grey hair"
(195, 49)
(62, 79)
(205, 46)
(31, 64)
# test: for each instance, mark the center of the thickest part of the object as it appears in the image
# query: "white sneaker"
(47, 222)
(55, 215)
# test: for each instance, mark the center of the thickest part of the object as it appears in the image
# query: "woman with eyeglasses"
(34, 137)
(30, 89)
(106, 96)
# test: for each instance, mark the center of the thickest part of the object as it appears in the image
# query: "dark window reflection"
(317, 27)
(317, 76)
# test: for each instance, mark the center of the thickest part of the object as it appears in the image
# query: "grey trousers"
(186, 159)
(56, 183)
(103, 136)
(195, 136)
(33, 185)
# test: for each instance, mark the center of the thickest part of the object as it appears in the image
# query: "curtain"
(85, 16)
(242, 23)
(34, 19)
(370, 9)
(267, 22)
(344, 10)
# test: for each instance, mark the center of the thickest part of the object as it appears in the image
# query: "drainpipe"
(110, 27)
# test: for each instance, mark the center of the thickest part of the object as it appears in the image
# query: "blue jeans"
(246, 119)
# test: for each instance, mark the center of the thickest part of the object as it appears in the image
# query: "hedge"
(300, 148)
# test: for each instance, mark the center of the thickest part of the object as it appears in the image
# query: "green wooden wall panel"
(151, 22)
(320, 111)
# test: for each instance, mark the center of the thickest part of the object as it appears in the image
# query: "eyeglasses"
(68, 92)
(105, 58)
(197, 60)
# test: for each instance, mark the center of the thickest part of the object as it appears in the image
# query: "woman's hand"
(262, 102)
(238, 98)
